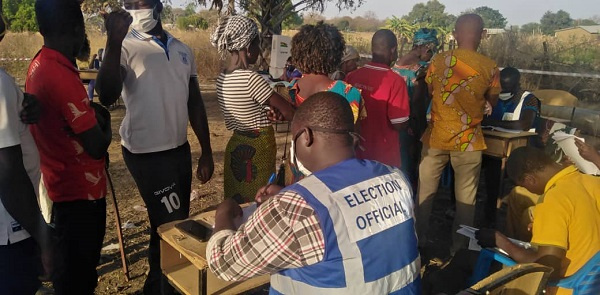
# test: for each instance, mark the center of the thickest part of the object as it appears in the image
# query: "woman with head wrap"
(317, 52)
(244, 97)
(412, 67)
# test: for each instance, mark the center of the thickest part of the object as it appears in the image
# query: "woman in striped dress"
(244, 96)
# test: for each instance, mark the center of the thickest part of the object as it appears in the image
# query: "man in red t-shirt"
(386, 101)
(72, 139)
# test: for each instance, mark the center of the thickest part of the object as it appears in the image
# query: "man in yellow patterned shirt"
(460, 82)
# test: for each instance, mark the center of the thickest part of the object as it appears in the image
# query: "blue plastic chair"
(484, 262)
(586, 281)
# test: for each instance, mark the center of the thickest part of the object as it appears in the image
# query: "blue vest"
(365, 211)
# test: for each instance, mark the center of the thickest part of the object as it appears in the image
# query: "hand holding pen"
(267, 191)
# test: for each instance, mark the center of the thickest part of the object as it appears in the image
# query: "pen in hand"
(263, 192)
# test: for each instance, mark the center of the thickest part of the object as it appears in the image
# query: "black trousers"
(80, 226)
(20, 267)
(164, 180)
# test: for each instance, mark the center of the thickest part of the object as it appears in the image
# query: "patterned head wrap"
(425, 36)
(234, 33)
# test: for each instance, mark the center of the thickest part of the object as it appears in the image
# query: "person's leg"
(19, 268)
(81, 226)
(492, 185)
(432, 164)
(467, 166)
(164, 182)
(408, 156)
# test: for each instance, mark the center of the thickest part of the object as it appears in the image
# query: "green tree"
(585, 22)
(492, 18)
(403, 30)
(431, 14)
(294, 21)
(191, 22)
(531, 28)
(20, 15)
(551, 21)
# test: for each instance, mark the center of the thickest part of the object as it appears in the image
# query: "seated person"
(566, 227)
(315, 234)
(521, 202)
(290, 72)
(516, 109)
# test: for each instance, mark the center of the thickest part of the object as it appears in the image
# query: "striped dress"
(250, 155)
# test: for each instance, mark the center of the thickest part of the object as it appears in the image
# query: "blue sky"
(517, 12)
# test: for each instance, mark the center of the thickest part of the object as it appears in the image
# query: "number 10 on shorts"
(171, 202)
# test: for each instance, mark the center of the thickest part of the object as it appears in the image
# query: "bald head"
(384, 46)
(468, 31)
(327, 113)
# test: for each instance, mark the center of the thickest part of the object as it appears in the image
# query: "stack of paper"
(567, 143)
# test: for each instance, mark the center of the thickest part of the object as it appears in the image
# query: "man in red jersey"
(72, 137)
(386, 101)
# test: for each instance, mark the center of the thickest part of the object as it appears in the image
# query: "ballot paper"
(469, 232)
(500, 129)
(567, 143)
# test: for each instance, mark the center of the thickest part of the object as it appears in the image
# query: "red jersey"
(69, 172)
(386, 101)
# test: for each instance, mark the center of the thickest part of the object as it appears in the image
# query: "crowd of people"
(349, 213)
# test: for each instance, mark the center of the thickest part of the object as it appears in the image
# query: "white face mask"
(297, 162)
(143, 19)
(505, 96)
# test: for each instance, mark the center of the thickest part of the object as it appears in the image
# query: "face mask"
(297, 163)
(143, 19)
(505, 96)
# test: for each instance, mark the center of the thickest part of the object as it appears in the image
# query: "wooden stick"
(119, 231)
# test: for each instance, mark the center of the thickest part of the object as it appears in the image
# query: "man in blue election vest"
(347, 228)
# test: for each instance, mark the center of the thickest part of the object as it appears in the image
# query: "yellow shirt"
(568, 217)
(459, 79)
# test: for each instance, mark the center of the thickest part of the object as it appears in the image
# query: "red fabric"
(69, 172)
(386, 101)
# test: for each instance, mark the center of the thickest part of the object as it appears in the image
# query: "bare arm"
(18, 195)
(282, 105)
(199, 122)
(525, 122)
(111, 75)
(547, 255)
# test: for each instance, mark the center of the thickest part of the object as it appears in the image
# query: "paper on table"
(567, 143)
(494, 128)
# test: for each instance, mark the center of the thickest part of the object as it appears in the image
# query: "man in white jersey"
(155, 74)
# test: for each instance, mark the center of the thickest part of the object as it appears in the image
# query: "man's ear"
(308, 137)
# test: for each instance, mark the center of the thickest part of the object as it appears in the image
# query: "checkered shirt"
(283, 233)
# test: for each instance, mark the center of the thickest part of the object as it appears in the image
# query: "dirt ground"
(112, 279)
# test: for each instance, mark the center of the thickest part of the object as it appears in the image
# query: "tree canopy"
(20, 15)
(530, 28)
(552, 21)
(492, 18)
(430, 14)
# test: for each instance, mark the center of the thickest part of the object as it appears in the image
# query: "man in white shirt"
(23, 230)
(155, 74)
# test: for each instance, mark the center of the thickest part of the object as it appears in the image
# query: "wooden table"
(501, 144)
(183, 261)
(88, 74)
